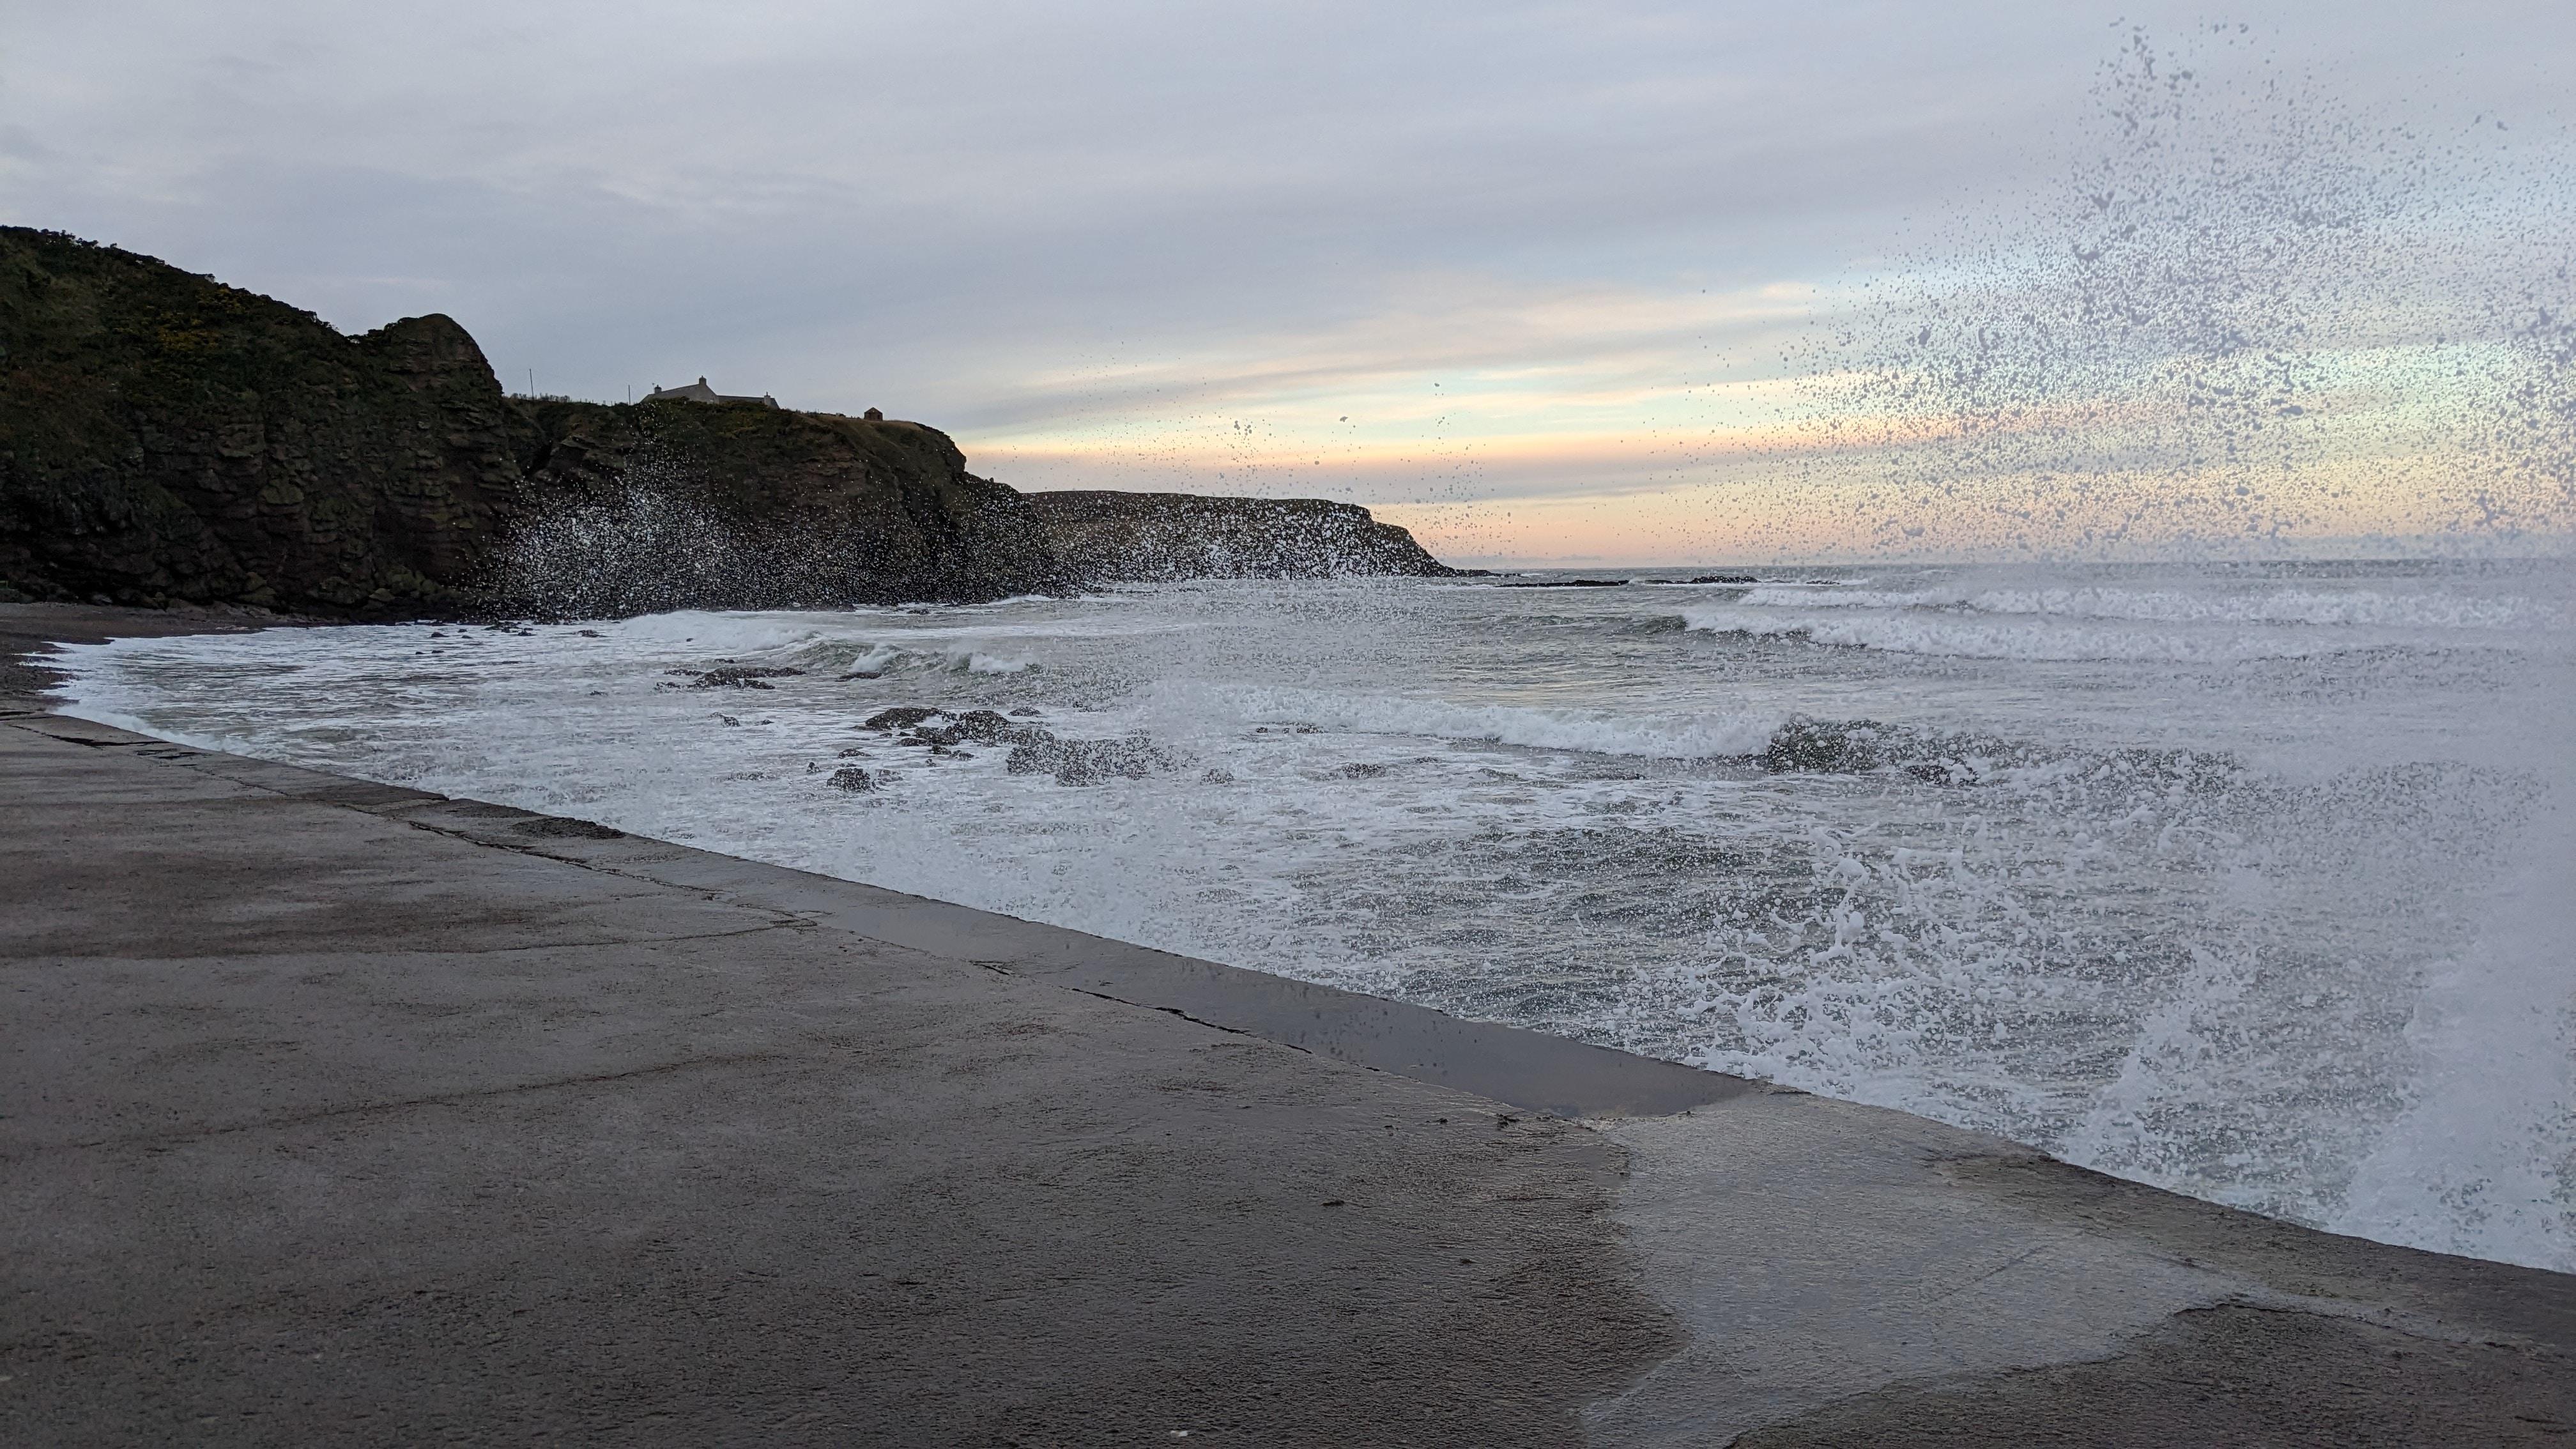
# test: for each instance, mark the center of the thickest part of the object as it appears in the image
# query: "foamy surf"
(2235, 881)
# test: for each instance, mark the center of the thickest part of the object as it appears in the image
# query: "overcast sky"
(1504, 267)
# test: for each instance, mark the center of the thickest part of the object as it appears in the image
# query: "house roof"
(699, 392)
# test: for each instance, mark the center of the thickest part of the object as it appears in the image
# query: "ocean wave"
(887, 658)
(1940, 757)
(1647, 736)
(2035, 638)
(2354, 608)
(714, 632)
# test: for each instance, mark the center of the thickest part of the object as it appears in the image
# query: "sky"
(1549, 283)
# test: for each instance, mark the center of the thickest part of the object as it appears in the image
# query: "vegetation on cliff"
(166, 439)
(737, 505)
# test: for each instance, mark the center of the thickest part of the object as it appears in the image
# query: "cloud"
(1080, 234)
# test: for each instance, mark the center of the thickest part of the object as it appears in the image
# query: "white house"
(699, 392)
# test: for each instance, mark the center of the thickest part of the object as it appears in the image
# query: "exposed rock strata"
(1161, 536)
(165, 439)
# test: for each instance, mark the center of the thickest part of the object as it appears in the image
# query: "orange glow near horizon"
(1627, 426)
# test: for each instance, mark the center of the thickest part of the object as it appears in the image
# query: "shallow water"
(2247, 881)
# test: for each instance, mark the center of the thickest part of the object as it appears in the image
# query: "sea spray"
(2248, 316)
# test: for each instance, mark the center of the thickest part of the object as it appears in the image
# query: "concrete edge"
(1556, 1076)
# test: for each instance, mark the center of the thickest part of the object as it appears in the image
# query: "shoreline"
(1757, 1262)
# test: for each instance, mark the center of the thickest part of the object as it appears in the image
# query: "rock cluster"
(734, 676)
(1035, 750)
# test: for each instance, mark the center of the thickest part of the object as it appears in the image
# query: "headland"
(166, 439)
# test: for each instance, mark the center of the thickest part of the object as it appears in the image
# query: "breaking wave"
(1964, 635)
(2367, 608)
(1673, 736)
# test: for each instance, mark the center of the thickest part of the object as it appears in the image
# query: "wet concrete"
(324, 1126)
(336, 1112)
(1852, 1275)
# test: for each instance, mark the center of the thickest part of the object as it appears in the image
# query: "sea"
(2257, 882)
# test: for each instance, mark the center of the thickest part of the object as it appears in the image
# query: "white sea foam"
(2031, 638)
(2419, 609)
(2284, 936)
(1666, 736)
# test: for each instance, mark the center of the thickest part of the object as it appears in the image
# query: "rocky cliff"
(739, 505)
(1158, 536)
(166, 439)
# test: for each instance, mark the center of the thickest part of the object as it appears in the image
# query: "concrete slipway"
(332, 1112)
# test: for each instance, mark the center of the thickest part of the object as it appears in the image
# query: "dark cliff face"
(168, 439)
(738, 505)
(1160, 536)
(164, 438)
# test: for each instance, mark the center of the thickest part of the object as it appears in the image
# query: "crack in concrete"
(365, 1109)
(444, 951)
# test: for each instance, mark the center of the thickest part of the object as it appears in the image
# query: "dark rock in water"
(558, 827)
(982, 726)
(1360, 772)
(1217, 775)
(1860, 745)
(1726, 579)
(852, 779)
(1563, 584)
(975, 726)
(1818, 745)
(863, 674)
(736, 677)
(1089, 762)
(1025, 712)
(1162, 536)
(985, 727)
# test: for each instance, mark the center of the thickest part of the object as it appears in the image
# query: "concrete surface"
(332, 1112)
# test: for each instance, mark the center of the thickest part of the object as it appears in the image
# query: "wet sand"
(340, 1112)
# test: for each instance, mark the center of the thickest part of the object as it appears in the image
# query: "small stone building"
(699, 392)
